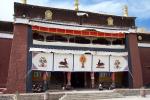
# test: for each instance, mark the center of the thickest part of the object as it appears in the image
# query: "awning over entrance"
(78, 62)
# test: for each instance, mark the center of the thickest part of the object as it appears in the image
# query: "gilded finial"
(24, 1)
(76, 5)
(125, 11)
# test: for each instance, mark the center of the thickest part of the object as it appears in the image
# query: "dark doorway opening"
(122, 79)
(77, 80)
(125, 81)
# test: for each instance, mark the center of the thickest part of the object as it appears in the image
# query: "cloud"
(38, 2)
(64, 5)
(6, 9)
(137, 8)
(140, 9)
(109, 7)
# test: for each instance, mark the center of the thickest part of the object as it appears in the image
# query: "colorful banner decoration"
(82, 63)
(78, 32)
(100, 63)
(118, 64)
(42, 61)
(63, 62)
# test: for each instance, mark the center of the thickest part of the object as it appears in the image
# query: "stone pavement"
(116, 94)
(130, 98)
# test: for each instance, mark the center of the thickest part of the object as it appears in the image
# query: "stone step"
(102, 97)
(100, 94)
(92, 96)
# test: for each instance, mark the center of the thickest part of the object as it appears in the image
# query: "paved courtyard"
(130, 98)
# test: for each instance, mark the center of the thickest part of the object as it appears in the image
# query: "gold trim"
(76, 5)
(48, 14)
(110, 21)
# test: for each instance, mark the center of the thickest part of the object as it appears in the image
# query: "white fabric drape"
(63, 62)
(118, 64)
(82, 63)
(42, 61)
(78, 62)
(100, 63)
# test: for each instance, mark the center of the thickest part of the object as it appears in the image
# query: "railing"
(78, 45)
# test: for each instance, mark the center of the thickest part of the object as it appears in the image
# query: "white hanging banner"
(63, 62)
(82, 63)
(118, 63)
(42, 61)
(100, 63)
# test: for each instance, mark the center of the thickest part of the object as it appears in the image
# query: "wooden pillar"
(69, 78)
(49, 76)
(64, 73)
(92, 80)
(113, 77)
(99, 75)
(85, 80)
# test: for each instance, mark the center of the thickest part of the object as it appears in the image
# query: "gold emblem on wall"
(110, 21)
(48, 15)
(140, 37)
(82, 60)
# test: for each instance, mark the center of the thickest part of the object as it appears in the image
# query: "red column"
(92, 79)
(64, 78)
(85, 80)
(113, 77)
(69, 78)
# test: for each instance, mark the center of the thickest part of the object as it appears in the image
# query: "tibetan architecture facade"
(6, 37)
(73, 49)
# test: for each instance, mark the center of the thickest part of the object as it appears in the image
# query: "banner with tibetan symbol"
(63, 62)
(82, 63)
(42, 61)
(118, 63)
(100, 63)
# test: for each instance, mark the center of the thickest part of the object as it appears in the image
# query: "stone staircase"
(91, 96)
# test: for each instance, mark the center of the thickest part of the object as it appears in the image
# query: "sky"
(136, 8)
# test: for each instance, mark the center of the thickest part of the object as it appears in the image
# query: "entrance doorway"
(122, 79)
(77, 80)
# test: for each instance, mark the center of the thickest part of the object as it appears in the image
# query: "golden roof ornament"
(110, 21)
(143, 30)
(48, 15)
(140, 37)
(125, 11)
(76, 5)
(24, 1)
